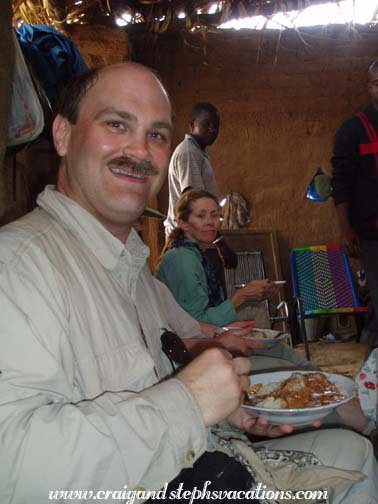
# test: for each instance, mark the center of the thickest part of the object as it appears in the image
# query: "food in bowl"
(258, 333)
(298, 391)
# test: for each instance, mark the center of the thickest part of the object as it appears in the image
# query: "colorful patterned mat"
(323, 280)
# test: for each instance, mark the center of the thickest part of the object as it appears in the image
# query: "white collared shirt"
(80, 406)
(189, 166)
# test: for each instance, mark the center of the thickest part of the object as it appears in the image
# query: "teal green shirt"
(182, 271)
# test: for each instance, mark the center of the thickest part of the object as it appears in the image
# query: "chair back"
(250, 267)
(322, 279)
(322, 284)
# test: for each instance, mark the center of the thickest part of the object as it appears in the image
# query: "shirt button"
(190, 456)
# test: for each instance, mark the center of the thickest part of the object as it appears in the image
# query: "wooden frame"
(265, 241)
(262, 240)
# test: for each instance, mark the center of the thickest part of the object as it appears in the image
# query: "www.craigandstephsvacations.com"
(131, 496)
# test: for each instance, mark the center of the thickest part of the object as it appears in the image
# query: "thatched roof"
(151, 15)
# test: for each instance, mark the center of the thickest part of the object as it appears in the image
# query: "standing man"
(355, 185)
(190, 164)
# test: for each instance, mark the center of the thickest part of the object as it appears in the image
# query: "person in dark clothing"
(355, 185)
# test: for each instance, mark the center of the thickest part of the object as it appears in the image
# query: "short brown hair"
(73, 93)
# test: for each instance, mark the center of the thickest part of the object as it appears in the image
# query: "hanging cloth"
(236, 211)
(25, 120)
(53, 56)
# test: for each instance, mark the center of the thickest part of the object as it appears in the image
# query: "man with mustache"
(141, 169)
(86, 400)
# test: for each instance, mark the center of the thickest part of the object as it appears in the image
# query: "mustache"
(143, 168)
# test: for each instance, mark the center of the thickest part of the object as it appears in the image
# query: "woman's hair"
(183, 210)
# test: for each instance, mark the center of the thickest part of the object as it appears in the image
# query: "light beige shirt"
(189, 166)
(80, 325)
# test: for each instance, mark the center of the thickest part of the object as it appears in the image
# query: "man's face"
(373, 88)
(205, 127)
(115, 158)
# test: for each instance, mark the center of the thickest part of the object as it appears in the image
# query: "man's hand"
(235, 342)
(242, 419)
(217, 382)
(246, 422)
(245, 327)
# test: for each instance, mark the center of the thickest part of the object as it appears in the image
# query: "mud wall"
(281, 97)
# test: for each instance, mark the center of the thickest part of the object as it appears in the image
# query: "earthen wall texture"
(282, 96)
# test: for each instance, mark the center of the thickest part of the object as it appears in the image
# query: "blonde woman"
(185, 269)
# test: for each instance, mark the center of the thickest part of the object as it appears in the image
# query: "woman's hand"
(256, 290)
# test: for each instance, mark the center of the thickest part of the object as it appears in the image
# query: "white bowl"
(300, 417)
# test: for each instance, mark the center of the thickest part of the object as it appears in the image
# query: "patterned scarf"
(214, 288)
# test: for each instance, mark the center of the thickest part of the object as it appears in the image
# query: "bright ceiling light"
(124, 19)
(342, 12)
(121, 22)
(214, 8)
(126, 16)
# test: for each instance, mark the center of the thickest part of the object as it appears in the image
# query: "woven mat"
(339, 358)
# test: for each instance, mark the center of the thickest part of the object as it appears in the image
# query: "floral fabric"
(367, 383)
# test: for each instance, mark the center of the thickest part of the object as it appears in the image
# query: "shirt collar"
(191, 138)
(104, 246)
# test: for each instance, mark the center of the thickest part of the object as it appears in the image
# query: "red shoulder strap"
(369, 128)
(372, 146)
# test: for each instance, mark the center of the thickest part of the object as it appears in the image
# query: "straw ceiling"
(149, 15)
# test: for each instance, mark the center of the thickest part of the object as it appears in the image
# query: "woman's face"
(203, 222)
